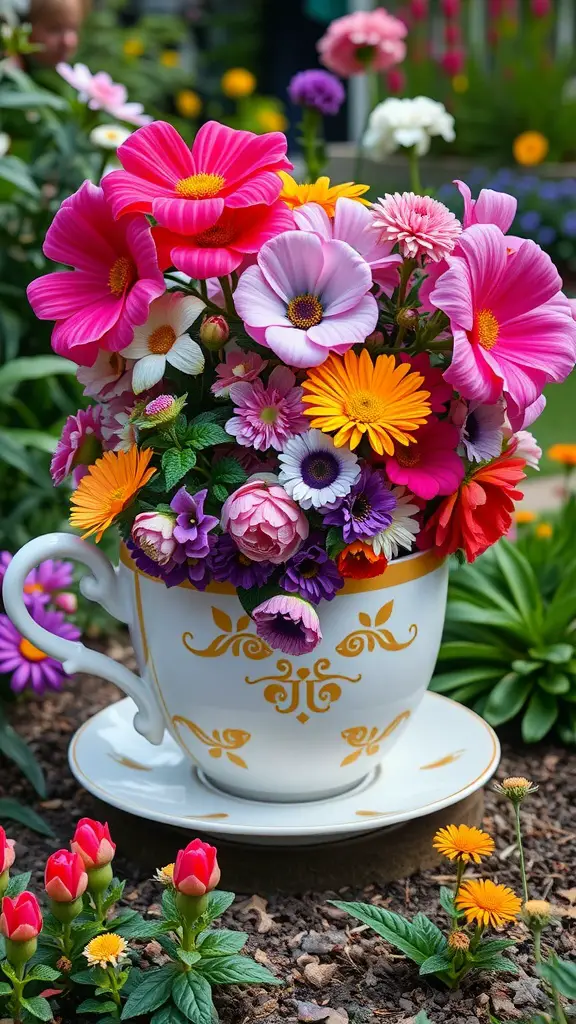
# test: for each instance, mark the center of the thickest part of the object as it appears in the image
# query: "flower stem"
(227, 290)
(312, 143)
(520, 846)
(67, 938)
(558, 1010)
(459, 873)
(114, 991)
(537, 936)
(415, 183)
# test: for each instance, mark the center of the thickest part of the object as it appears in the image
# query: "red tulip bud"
(93, 842)
(7, 854)
(65, 878)
(21, 919)
(196, 870)
(450, 8)
(214, 332)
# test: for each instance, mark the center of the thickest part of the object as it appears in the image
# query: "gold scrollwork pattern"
(218, 743)
(449, 759)
(373, 635)
(367, 741)
(311, 689)
(234, 639)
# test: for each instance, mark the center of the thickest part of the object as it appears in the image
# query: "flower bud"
(67, 602)
(21, 922)
(7, 856)
(515, 788)
(153, 533)
(407, 318)
(214, 332)
(459, 942)
(196, 870)
(93, 842)
(65, 881)
(160, 412)
(374, 341)
(537, 913)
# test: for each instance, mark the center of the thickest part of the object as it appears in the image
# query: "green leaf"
(5, 989)
(169, 908)
(32, 368)
(493, 962)
(95, 1006)
(221, 943)
(561, 974)
(422, 1018)
(492, 946)
(41, 972)
(168, 1015)
(465, 611)
(152, 992)
(444, 682)
(18, 883)
(228, 471)
(38, 439)
(85, 977)
(188, 957)
(462, 649)
(430, 933)
(539, 717)
(168, 945)
(17, 172)
(395, 929)
(507, 698)
(14, 747)
(556, 654)
(138, 928)
(447, 901)
(235, 970)
(334, 542)
(204, 435)
(436, 964)
(38, 1007)
(11, 100)
(250, 599)
(220, 492)
(559, 683)
(193, 997)
(176, 463)
(521, 581)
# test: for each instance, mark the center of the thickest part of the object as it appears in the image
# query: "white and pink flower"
(238, 366)
(101, 93)
(264, 522)
(266, 416)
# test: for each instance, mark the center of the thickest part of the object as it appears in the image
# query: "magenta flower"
(363, 40)
(491, 207)
(318, 90)
(28, 665)
(79, 446)
(115, 277)
(421, 227)
(267, 415)
(264, 522)
(512, 327)
(440, 391)
(306, 297)
(354, 224)
(45, 584)
(288, 624)
(238, 366)
(430, 466)
(101, 93)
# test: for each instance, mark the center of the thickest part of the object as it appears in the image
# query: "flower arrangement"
(294, 386)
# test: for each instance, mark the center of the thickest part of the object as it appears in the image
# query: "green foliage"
(13, 810)
(560, 974)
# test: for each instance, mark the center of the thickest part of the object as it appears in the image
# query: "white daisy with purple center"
(314, 472)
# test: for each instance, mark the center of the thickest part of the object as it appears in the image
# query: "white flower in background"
(109, 136)
(407, 123)
(402, 529)
(164, 339)
(101, 93)
(527, 448)
(5, 141)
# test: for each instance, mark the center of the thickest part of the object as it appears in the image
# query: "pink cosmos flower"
(364, 40)
(354, 224)
(430, 466)
(267, 415)
(288, 623)
(490, 207)
(264, 522)
(187, 190)
(440, 391)
(101, 93)
(306, 297)
(418, 225)
(110, 375)
(238, 366)
(222, 248)
(79, 446)
(513, 331)
(115, 277)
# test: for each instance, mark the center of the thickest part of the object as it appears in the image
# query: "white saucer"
(446, 754)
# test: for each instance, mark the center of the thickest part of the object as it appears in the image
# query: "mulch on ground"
(323, 959)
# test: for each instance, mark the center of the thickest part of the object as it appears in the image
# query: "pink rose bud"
(65, 878)
(152, 532)
(7, 854)
(196, 870)
(214, 332)
(67, 602)
(93, 842)
(21, 919)
(264, 522)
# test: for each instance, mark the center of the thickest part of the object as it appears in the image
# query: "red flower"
(65, 877)
(196, 870)
(358, 561)
(93, 842)
(479, 512)
(21, 919)
(7, 854)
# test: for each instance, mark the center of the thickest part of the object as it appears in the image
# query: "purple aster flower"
(46, 583)
(192, 524)
(366, 510)
(312, 574)
(483, 432)
(228, 564)
(29, 665)
(288, 624)
(318, 90)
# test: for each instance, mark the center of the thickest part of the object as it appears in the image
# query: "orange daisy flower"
(463, 843)
(358, 561)
(564, 453)
(109, 487)
(486, 903)
(321, 192)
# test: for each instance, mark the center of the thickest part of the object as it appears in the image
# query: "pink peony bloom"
(115, 277)
(306, 297)
(187, 190)
(354, 224)
(513, 331)
(110, 375)
(79, 446)
(238, 366)
(363, 40)
(440, 391)
(288, 624)
(222, 248)
(491, 207)
(418, 225)
(153, 533)
(430, 466)
(264, 522)
(267, 416)
(101, 93)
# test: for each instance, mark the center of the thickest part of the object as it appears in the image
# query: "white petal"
(147, 372)
(187, 356)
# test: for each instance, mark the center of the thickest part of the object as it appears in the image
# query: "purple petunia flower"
(312, 574)
(192, 524)
(228, 564)
(318, 90)
(366, 510)
(288, 624)
(29, 665)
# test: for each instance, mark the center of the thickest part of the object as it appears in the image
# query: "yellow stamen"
(304, 311)
(486, 329)
(161, 340)
(122, 273)
(366, 406)
(33, 588)
(200, 186)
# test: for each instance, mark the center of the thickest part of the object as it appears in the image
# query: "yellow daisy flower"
(165, 875)
(463, 843)
(106, 950)
(188, 103)
(320, 191)
(237, 83)
(486, 903)
(110, 485)
(271, 120)
(170, 59)
(544, 531)
(133, 47)
(523, 516)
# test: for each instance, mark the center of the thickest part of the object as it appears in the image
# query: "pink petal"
(257, 303)
(497, 208)
(294, 347)
(484, 248)
(84, 355)
(542, 339)
(142, 249)
(278, 218)
(237, 155)
(91, 322)
(79, 234)
(311, 217)
(292, 263)
(464, 190)
(158, 154)
(345, 278)
(138, 300)
(347, 328)
(204, 263)
(469, 373)
(529, 280)
(263, 188)
(59, 295)
(453, 294)
(127, 193)
(353, 224)
(187, 216)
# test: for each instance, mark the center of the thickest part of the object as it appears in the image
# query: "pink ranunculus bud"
(7, 854)
(196, 870)
(214, 332)
(265, 523)
(396, 81)
(153, 533)
(93, 842)
(65, 877)
(67, 602)
(453, 62)
(21, 919)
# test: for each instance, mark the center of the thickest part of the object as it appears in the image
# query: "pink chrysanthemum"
(430, 466)
(364, 39)
(29, 665)
(79, 446)
(238, 366)
(419, 225)
(268, 416)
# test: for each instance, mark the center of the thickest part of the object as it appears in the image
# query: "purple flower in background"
(530, 221)
(546, 236)
(288, 624)
(569, 224)
(312, 574)
(45, 583)
(228, 564)
(192, 524)
(318, 90)
(29, 665)
(366, 510)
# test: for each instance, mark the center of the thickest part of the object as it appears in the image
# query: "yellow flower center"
(161, 340)
(33, 588)
(486, 329)
(365, 407)
(116, 500)
(106, 948)
(305, 311)
(30, 652)
(122, 274)
(200, 186)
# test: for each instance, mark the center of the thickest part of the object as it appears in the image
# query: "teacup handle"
(102, 587)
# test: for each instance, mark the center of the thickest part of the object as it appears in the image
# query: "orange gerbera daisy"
(358, 561)
(486, 903)
(564, 453)
(354, 396)
(320, 191)
(463, 843)
(108, 488)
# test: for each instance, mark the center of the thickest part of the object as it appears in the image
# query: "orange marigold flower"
(358, 562)
(463, 842)
(486, 903)
(320, 192)
(530, 148)
(109, 487)
(564, 453)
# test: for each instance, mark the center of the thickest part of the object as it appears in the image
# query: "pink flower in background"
(490, 207)
(110, 375)
(101, 93)
(430, 466)
(47, 583)
(440, 390)
(288, 624)
(513, 331)
(265, 523)
(79, 446)
(238, 366)
(453, 61)
(363, 40)
(354, 224)
(27, 664)
(7, 853)
(187, 190)
(421, 227)
(306, 297)
(267, 416)
(115, 277)
(118, 431)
